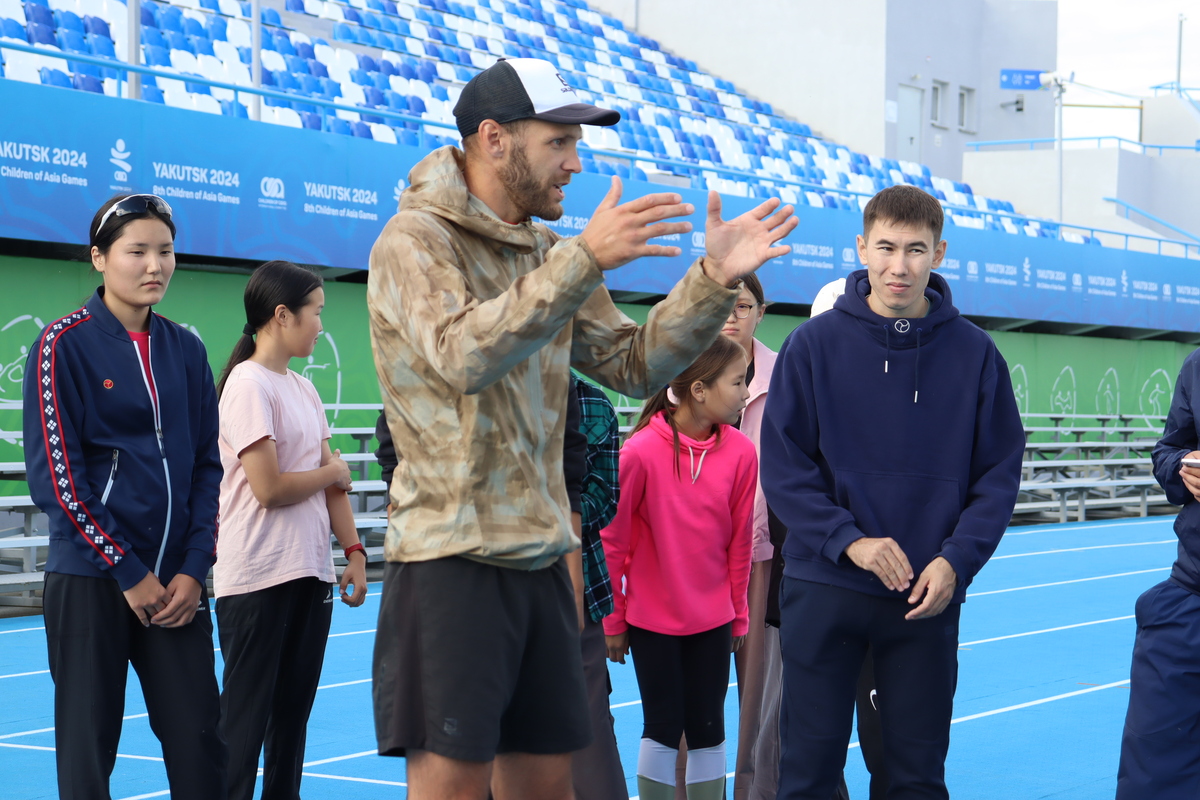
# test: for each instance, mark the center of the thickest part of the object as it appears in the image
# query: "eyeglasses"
(742, 311)
(136, 204)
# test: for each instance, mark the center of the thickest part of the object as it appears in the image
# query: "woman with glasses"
(121, 452)
(753, 659)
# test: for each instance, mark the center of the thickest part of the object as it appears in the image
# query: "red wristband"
(356, 547)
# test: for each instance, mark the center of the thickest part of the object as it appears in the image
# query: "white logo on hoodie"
(901, 326)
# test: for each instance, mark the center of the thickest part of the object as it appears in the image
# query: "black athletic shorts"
(472, 660)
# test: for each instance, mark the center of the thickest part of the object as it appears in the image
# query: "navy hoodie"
(879, 427)
(125, 493)
(1180, 437)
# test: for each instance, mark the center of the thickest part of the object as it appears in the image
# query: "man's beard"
(524, 190)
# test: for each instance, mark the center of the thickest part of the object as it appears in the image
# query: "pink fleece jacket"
(764, 365)
(682, 542)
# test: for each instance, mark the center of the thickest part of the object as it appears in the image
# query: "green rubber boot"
(653, 790)
(707, 790)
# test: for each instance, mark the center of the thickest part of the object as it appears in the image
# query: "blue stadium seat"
(68, 20)
(201, 45)
(305, 50)
(268, 78)
(330, 88)
(268, 42)
(339, 125)
(39, 14)
(416, 106)
(373, 97)
(85, 69)
(363, 36)
(231, 109)
(283, 44)
(367, 63)
(371, 20)
(343, 33)
(151, 94)
(351, 15)
(97, 26)
(410, 139)
(381, 81)
(170, 22)
(286, 81)
(11, 29)
(197, 88)
(275, 102)
(362, 130)
(439, 92)
(211, 5)
(218, 29)
(311, 120)
(295, 6)
(384, 41)
(72, 42)
(317, 69)
(88, 83)
(245, 56)
(309, 85)
(361, 77)
(296, 65)
(271, 17)
(156, 56)
(192, 27)
(54, 77)
(40, 34)
(387, 24)
(177, 41)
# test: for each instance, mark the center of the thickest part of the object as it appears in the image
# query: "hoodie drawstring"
(694, 467)
(917, 369)
(887, 337)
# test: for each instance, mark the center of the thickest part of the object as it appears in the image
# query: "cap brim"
(580, 114)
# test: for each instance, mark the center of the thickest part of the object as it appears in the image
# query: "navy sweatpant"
(824, 636)
(1160, 747)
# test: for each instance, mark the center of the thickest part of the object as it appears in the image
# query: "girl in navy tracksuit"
(121, 453)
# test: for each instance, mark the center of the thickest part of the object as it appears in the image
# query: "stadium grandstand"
(286, 129)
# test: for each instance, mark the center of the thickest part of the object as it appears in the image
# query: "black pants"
(825, 635)
(93, 636)
(683, 681)
(273, 642)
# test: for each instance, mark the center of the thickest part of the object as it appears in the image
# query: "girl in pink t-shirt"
(282, 493)
(682, 542)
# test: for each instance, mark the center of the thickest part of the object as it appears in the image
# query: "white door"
(908, 123)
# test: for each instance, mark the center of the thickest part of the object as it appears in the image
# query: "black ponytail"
(274, 284)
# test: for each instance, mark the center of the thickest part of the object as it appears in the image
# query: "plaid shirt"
(598, 421)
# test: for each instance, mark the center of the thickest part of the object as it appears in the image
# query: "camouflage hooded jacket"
(475, 324)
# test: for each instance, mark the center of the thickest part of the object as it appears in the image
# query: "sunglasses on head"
(136, 204)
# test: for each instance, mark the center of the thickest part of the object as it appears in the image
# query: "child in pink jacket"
(682, 542)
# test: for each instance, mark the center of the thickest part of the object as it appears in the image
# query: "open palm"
(743, 244)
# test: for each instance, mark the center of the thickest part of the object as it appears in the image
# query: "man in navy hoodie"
(1159, 743)
(891, 450)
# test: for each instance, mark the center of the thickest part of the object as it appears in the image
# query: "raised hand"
(617, 234)
(745, 243)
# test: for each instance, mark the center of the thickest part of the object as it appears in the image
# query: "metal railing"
(1086, 142)
(1189, 249)
(1127, 207)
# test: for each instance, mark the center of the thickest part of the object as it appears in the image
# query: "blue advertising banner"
(248, 190)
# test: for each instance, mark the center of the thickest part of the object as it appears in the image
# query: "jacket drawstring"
(887, 337)
(917, 369)
(694, 467)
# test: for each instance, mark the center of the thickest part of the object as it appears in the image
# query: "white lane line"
(1061, 529)
(48, 730)
(340, 758)
(23, 674)
(347, 683)
(349, 633)
(1046, 630)
(728, 775)
(163, 793)
(1080, 549)
(1006, 709)
(1063, 583)
(24, 630)
(51, 750)
(355, 780)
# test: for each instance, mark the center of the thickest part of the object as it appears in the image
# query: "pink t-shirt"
(261, 547)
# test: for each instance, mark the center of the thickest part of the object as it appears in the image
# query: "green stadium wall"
(1051, 374)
